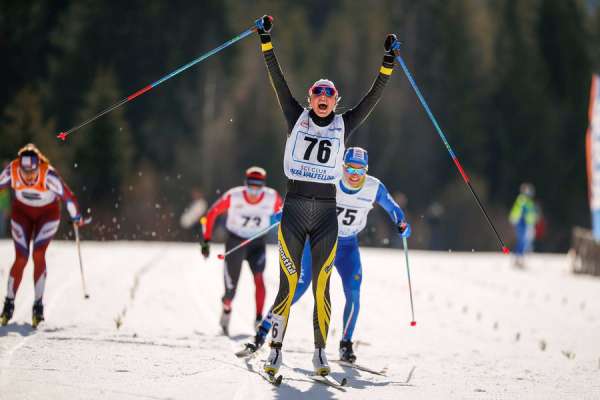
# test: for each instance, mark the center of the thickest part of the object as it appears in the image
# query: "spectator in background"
(524, 217)
(540, 227)
(191, 215)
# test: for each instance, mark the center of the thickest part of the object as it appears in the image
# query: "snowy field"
(150, 329)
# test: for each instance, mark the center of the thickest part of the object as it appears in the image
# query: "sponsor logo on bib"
(312, 172)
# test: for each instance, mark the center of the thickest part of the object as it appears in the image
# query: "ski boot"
(320, 362)
(273, 362)
(37, 314)
(259, 340)
(224, 321)
(346, 352)
(7, 311)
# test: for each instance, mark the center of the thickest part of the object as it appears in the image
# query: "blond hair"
(30, 147)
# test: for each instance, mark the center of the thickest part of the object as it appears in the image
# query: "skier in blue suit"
(356, 194)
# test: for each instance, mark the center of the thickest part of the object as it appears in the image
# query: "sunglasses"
(355, 171)
(254, 190)
(319, 90)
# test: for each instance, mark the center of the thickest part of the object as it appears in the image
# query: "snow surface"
(484, 330)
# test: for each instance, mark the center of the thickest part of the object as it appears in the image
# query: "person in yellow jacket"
(523, 216)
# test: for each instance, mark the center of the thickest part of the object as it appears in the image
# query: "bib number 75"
(348, 215)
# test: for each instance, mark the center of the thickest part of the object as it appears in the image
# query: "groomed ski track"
(484, 330)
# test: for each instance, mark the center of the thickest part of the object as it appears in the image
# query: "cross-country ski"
(360, 367)
(328, 380)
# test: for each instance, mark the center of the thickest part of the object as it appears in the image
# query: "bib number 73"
(251, 220)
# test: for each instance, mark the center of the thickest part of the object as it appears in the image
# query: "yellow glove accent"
(384, 70)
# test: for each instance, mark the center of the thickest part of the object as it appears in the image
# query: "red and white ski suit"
(245, 218)
(35, 217)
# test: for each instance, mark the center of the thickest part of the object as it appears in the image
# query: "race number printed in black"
(315, 150)
(251, 221)
(346, 216)
(315, 153)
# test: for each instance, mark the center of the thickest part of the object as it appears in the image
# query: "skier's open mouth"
(322, 107)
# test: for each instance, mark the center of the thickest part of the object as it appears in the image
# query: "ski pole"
(465, 177)
(247, 32)
(78, 244)
(247, 241)
(412, 309)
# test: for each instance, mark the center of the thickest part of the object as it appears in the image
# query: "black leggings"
(316, 220)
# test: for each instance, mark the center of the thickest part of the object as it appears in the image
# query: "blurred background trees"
(508, 81)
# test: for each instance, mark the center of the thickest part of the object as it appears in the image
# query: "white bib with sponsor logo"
(245, 219)
(352, 209)
(315, 153)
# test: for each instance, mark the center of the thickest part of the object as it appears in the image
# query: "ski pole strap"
(247, 241)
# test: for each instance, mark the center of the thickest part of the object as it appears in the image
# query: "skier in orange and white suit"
(36, 190)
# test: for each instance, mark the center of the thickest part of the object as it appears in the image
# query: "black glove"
(404, 229)
(205, 248)
(263, 27)
(389, 42)
(388, 46)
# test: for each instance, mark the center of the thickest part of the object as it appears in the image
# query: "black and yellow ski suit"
(309, 210)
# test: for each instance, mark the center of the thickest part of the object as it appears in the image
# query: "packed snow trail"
(150, 329)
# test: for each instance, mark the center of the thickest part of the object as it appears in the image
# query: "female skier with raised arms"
(313, 161)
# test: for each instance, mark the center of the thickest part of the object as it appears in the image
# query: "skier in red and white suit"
(250, 209)
(36, 189)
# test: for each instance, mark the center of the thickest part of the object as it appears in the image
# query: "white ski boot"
(320, 362)
(274, 360)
